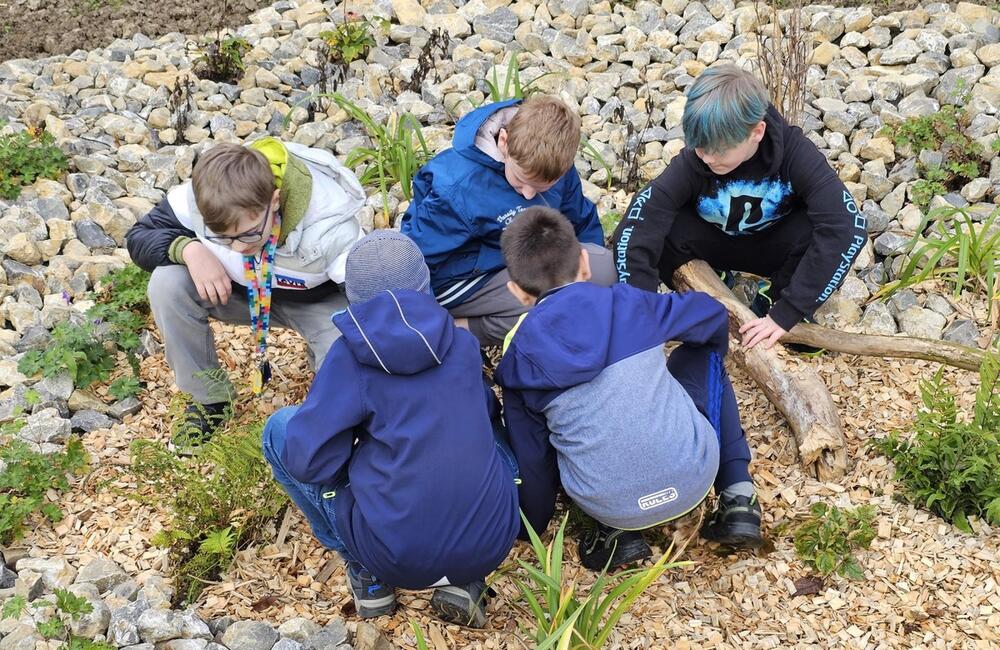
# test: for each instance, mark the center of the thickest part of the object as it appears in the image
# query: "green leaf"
(14, 607)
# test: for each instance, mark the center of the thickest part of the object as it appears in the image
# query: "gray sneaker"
(462, 605)
(372, 597)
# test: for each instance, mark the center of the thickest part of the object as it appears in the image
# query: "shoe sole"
(453, 606)
(742, 536)
(626, 556)
(375, 607)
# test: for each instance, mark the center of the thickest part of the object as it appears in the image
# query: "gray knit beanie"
(385, 259)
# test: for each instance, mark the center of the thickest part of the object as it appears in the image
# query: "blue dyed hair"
(723, 105)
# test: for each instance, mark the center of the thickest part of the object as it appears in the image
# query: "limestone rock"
(250, 635)
(103, 573)
(922, 323)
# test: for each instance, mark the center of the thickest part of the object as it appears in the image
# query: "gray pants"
(182, 317)
(493, 310)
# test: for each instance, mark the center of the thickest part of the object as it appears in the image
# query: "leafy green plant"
(589, 151)
(74, 349)
(609, 222)
(397, 151)
(27, 156)
(27, 480)
(219, 501)
(829, 536)
(352, 39)
(222, 59)
(124, 387)
(14, 607)
(67, 605)
(564, 617)
(958, 250)
(951, 465)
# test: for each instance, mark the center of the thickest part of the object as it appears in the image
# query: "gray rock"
(140, 646)
(903, 51)
(922, 323)
(148, 345)
(878, 320)
(18, 273)
(250, 635)
(127, 406)
(939, 304)
(46, 426)
(287, 644)
(838, 312)
(157, 591)
(88, 420)
(184, 644)
(50, 207)
(918, 105)
(890, 242)
(123, 628)
(368, 637)
(7, 577)
(963, 331)
(498, 25)
(840, 121)
(957, 82)
(299, 629)
(126, 590)
(218, 626)
(93, 236)
(103, 573)
(901, 301)
(33, 338)
(875, 217)
(193, 626)
(157, 625)
(59, 387)
(22, 637)
(93, 624)
(29, 584)
(334, 634)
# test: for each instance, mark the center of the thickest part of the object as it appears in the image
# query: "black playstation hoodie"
(787, 174)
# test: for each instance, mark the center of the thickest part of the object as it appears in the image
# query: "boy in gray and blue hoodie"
(591, 404)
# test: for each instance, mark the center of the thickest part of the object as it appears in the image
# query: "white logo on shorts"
(657, 499)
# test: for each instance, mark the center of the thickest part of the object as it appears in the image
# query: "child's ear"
(522, 296)
(276, 199)
(757, 133)
(502, 142)
(583, 274)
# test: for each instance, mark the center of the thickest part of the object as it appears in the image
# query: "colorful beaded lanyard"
(259, 296)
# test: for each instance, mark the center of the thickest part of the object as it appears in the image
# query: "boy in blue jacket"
(590, 402)
(392, 456)
(506, 157)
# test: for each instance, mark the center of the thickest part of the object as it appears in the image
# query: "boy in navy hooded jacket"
(590, 402)
(506, 157)
(393, 457)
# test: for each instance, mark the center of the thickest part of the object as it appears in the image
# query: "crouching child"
(590, 403)
(394, 457)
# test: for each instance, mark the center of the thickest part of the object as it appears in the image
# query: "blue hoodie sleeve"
(433, 221)
(321, 434)
(652, 319)
(536, 460)
(580, 211)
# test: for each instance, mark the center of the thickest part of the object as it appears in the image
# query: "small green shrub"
(27, 479)
(222, 59)
(565, 618)
(74, 349)
(353, 38)
(951, 465)
(219, 501)
(610, 221)
(958, 250)
(590, 151)
(124, 387)
(68, 605)
(829, 536)
(25, 157)
(512, 87)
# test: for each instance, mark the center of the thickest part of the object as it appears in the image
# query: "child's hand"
(210, 278)
(762, 330)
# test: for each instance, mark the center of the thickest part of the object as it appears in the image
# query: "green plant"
(74, 349)
(829, 536)
(564, 617)
(26, 156)
(589, 151)
(609, 222)
(124, 387)
(222, 59)
(351, 39)
(418, 635)
(951, 465)
(219, 501)
(28, 478)
(67, 605)
(397, 151)
(958, 250)
(512, 88)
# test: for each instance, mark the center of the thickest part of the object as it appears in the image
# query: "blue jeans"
(315, 501)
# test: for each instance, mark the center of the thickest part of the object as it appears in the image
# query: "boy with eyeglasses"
(259, 236)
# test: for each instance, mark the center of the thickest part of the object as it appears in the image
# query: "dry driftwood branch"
(797, 392)
(906, 347)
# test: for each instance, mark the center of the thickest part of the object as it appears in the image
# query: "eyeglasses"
(247, 237)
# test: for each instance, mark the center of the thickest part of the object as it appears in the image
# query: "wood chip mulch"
(926, 584)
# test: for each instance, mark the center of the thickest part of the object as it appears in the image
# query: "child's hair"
(541, 250)
(230, 181)
(543, 137)
(723, 105)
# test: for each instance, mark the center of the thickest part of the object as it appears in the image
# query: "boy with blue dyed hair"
(750, 193)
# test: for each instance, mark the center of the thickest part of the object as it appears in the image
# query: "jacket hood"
(468, 128)
(770, 153)
(401, 332)
(563, 343)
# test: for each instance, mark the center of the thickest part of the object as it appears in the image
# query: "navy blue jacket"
(462, 203)
(400, 402)
(589, 402)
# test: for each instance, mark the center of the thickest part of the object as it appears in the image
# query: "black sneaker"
(462, 605)
(603, 543)
(196, 426)
(372, 597)
(735, 522)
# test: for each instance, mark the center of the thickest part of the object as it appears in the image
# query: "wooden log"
(904, 347)
(797, 392)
